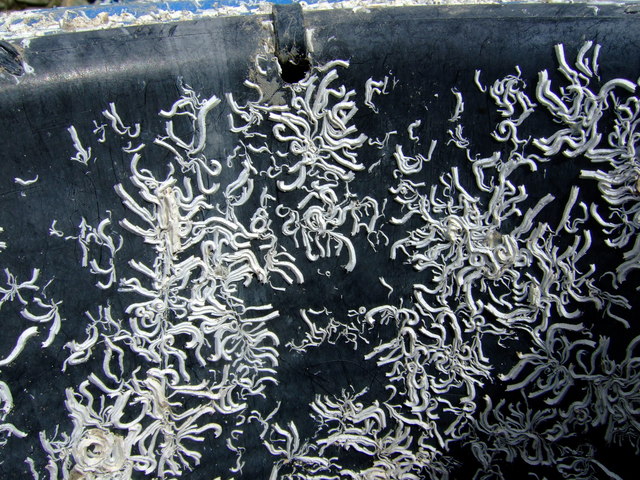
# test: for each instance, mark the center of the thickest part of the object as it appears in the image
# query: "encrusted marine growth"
(189, 358)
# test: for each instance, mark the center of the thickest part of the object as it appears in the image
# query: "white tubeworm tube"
(20, 345)
(459, 108)
(476, 79)
(563, 223)
(117, 125)
(374, 87)
(411, 130)
(82, 155)
(22, 182)
(386, 285)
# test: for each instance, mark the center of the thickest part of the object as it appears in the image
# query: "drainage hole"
(294, 70)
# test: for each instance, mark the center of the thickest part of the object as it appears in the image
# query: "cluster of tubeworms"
(39, 321)
(192, 357)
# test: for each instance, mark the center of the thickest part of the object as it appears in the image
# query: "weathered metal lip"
(34, 23)
(40, 22)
